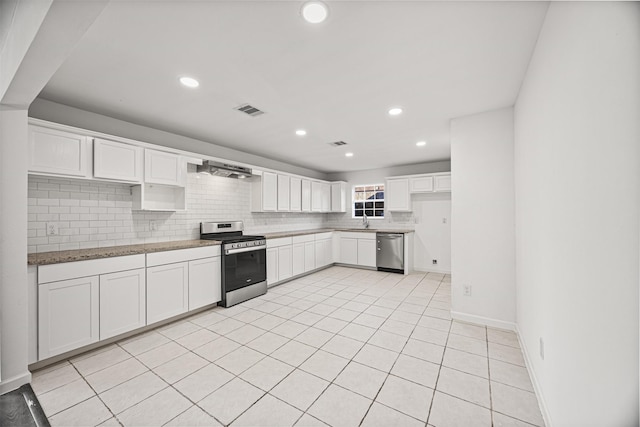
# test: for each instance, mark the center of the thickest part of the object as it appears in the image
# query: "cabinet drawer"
(180, 255)
(366, 235)
(304, 238)
(93, 267)
(323, 236)
(282, 241)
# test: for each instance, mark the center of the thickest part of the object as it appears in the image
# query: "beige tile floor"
(340, 347)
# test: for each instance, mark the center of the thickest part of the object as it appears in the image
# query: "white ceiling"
(437, 60)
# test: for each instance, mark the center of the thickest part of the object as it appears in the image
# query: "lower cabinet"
(68, 315)
(298, 258)
(309, 256)
(358, 248)
(205, 286)
(291, 256)
(279, 260)
(167, 291)
(272, 266)
(122, 302)
(323, 251)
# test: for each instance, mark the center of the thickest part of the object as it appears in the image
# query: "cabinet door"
(442, 183)
(272, 266)
(122, 302)
(320, 257)
(309, 256)
(284, 193)
(423, 184)
(163, 168)
(338, 197)
(367, 252)
(298, 259)
(325, 191)
(269, 191)
(117, 161)
(167, 291)
(295, 186)
(316, 196)
(55, 152)
(348, 250)
(68, 315)
(396, 194)
(285, 269)
(306, 195)
(204, 282)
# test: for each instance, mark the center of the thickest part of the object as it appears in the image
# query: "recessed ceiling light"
(421, 143)
(348, 154)
(189, 82)
(314, 12)
(395, 111)
(301, 132)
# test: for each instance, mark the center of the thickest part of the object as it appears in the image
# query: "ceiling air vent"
(337, 143)
(249, 109)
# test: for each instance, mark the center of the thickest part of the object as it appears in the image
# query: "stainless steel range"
(244, 261)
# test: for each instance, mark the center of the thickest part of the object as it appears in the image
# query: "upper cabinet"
(284, 193)
(400, 188)
(421, 184)
(295, 204)
(316, 196)
(306, 195)
(442, 183)
(264, 193)
(163, 168)
(396, 194)
(339, 196)
(117, 161)
(57, 152)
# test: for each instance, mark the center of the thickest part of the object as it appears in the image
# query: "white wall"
(432, 237)
(482, 218)
(577, 163)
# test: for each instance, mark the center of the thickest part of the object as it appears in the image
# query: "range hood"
(224, 169)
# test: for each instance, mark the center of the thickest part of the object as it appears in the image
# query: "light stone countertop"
(58, 257)
(328, 230)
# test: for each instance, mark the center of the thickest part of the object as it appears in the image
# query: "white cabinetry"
(76, 298)
(284, 193)
(316, 196)
(68, 315)
(323, 253)
(117, 161)
(122, 302)
(295, 186)
(306, 195)
(358, 248)
(167, 291)
(396, 194)
(57, 152)
(303, 254)
(153, 197)
(338, 196)
(264, 193)
(205, 285)
(367, 252)
(163, 168)
(442, 183)
(297, 259)
(421, 184)
(279, 260)
(325, 197)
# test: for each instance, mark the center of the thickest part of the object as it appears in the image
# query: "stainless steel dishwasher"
(390, 252)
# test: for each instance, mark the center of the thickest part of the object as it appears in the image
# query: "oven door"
(243, 267)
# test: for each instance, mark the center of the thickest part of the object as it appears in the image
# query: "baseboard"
(534, 380)
(431, 270)
(15, 382)
(481, 320)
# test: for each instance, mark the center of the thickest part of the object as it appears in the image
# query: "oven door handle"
(237, 251)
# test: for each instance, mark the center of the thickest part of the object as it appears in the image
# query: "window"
(368, 200)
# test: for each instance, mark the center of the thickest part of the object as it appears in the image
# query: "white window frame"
(354, 201)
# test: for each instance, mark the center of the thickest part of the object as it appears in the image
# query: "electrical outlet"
(153, 226)
(444, 220)
(52, 229)
(466, 289)
(434, 261)
(541, 348)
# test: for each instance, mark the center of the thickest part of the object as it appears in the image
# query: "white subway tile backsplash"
(94, 214)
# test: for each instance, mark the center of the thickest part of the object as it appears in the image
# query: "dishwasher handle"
(389, 236)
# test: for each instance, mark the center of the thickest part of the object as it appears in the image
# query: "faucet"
(365, 220)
